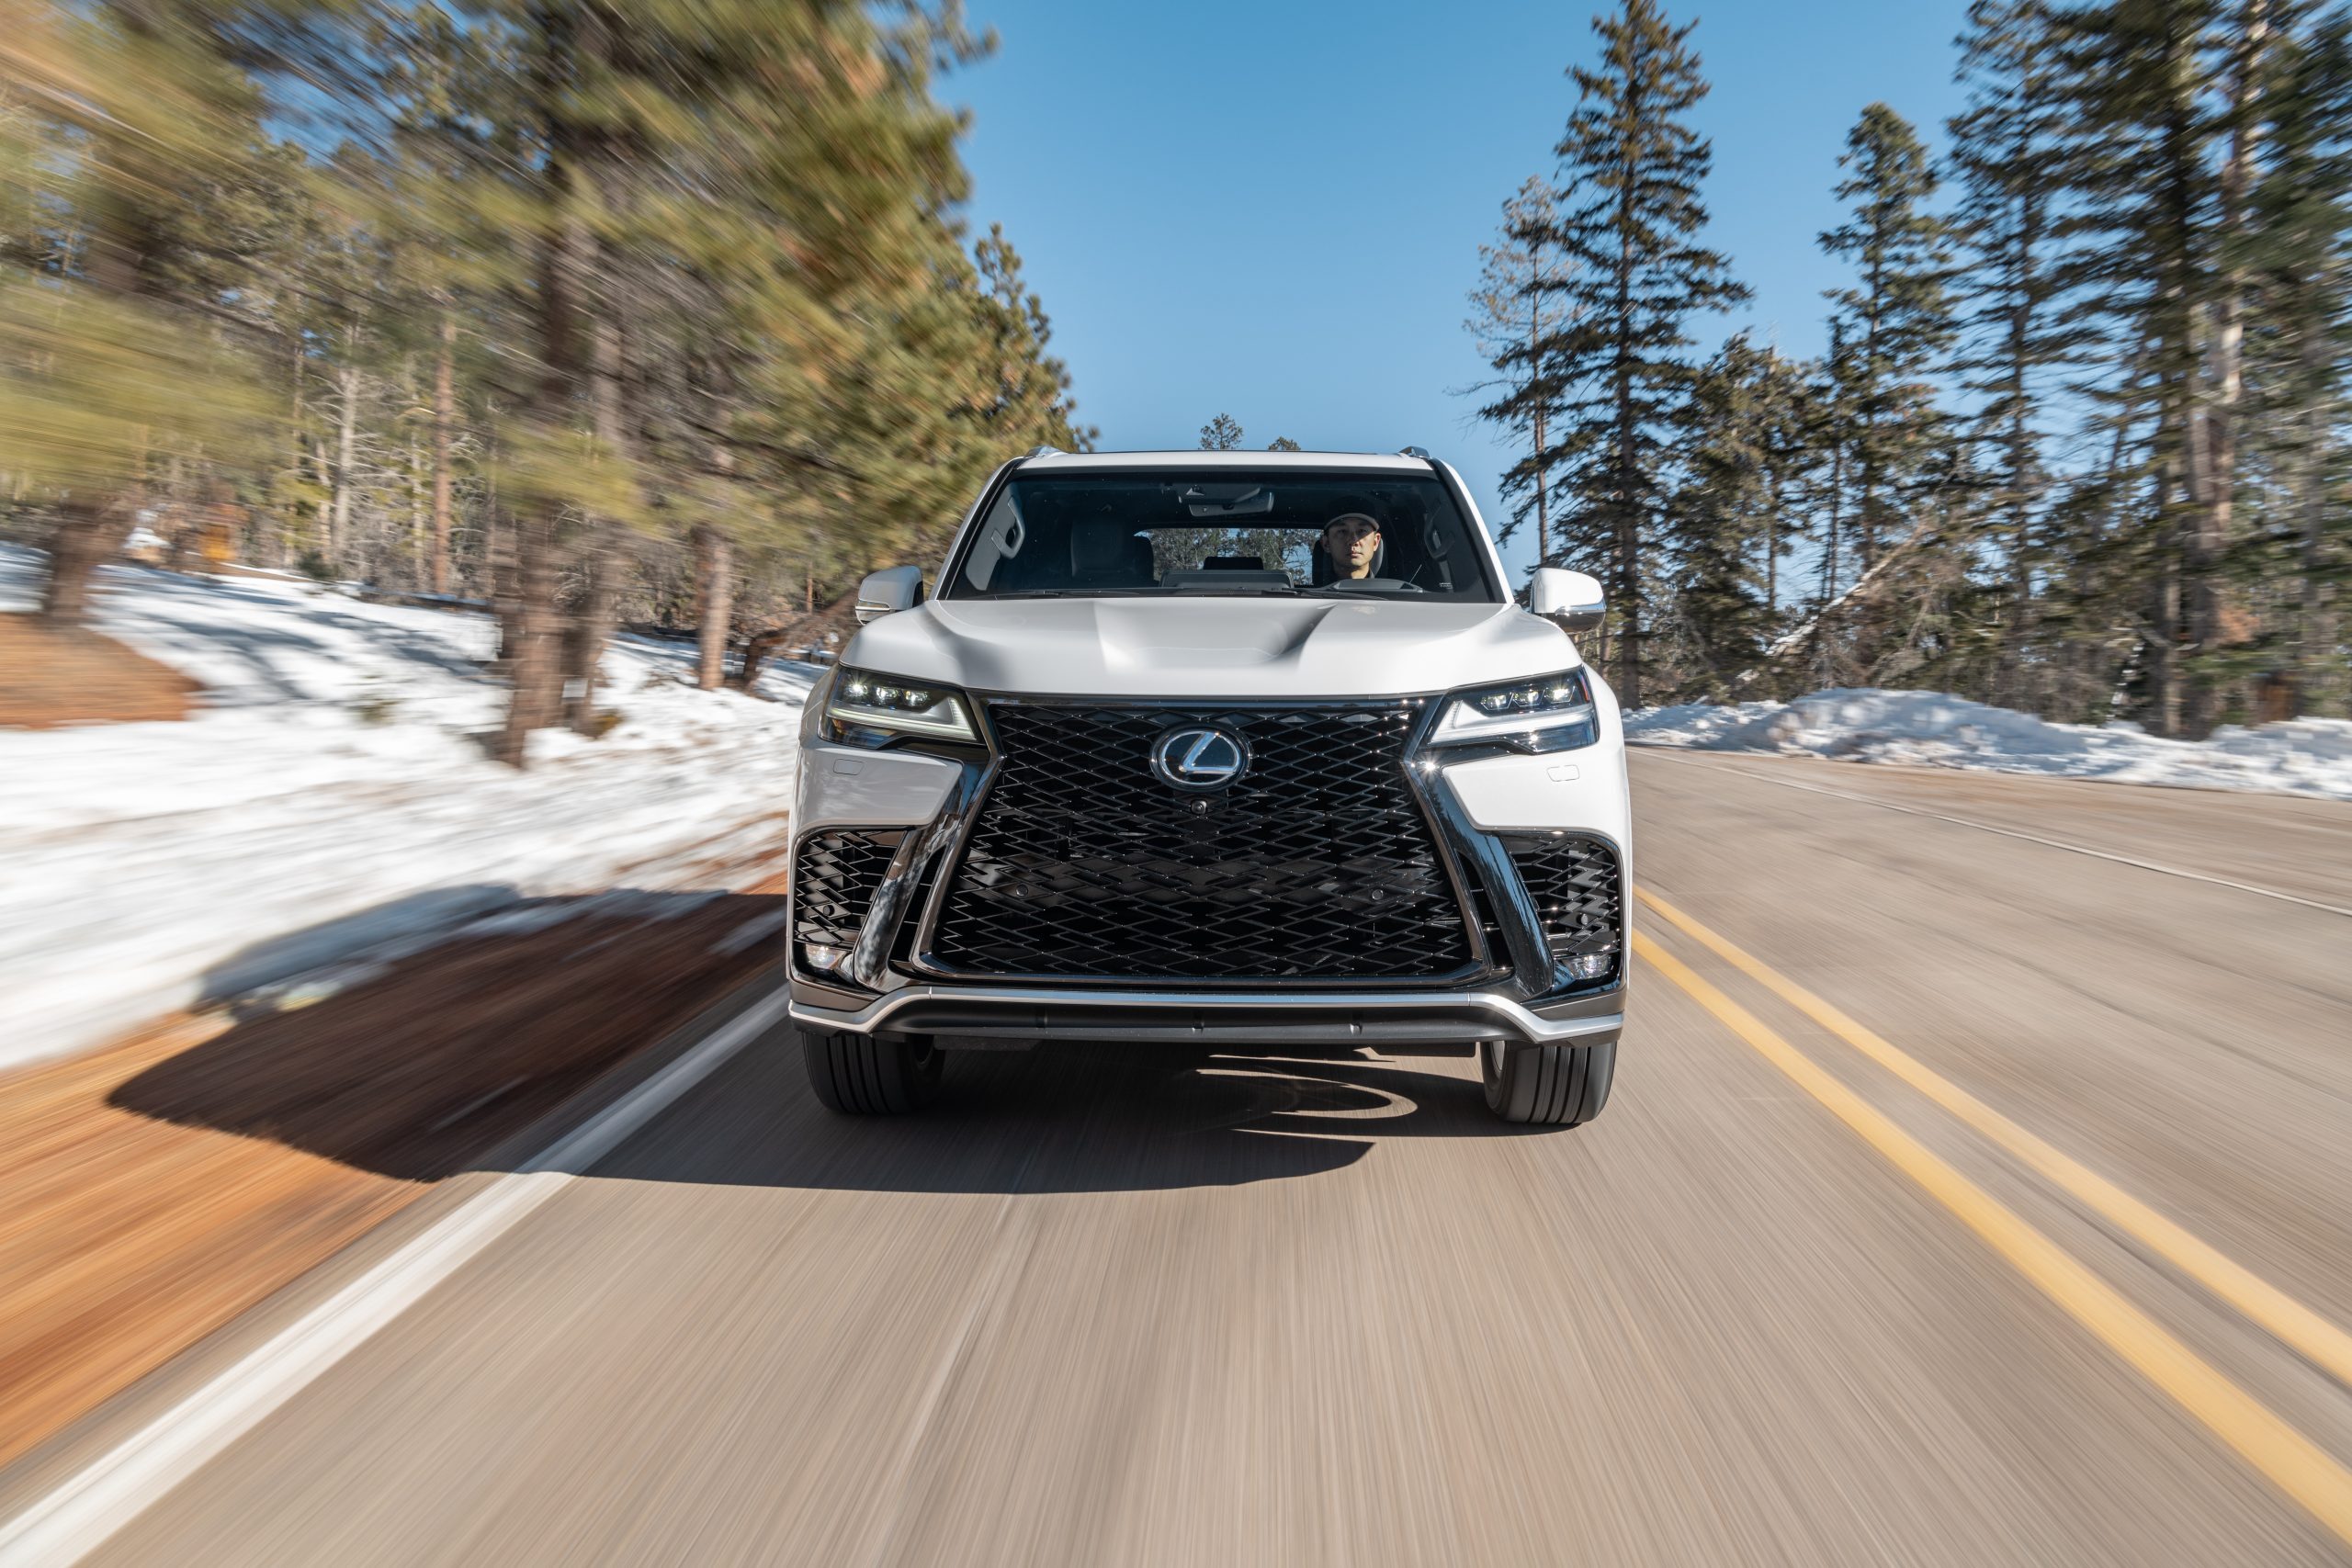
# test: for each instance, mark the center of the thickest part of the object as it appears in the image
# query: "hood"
(1210, 647)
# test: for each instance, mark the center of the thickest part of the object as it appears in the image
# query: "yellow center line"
(2293, 1464)
(2295, 1325)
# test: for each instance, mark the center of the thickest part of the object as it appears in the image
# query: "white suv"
(1250, 750)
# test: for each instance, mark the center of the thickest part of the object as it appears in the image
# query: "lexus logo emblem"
(1200, 759)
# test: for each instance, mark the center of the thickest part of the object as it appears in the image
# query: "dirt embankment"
(152, 1192)
(50, 678)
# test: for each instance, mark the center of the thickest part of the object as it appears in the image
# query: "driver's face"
(1352, 545)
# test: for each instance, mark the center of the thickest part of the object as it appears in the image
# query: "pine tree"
(2142, 81)
(1283, 444)
(1734, 512)
(1516, 308)
(1031, 404)
(128, 351)
(1633, 274)
(1222, 434)
(2298, 265)
(1896, 316)
(2010, 157)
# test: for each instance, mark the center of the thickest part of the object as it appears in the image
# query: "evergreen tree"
(2010, 157)
(1283, 443)
(2141, 82)
(2300, 357)
(1632, 275)
(1222, 434)
(1733, 512)
(1516, 308)
(1897, 317)
(127, 349)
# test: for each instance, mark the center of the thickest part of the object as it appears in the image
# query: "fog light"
(817, 955)
(1591, 965)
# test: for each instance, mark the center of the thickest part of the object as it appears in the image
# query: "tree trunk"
(2316, 668)
(566, 261)
(287, 525)
(2024, 460)
(346, 438)
(532, 644)
(1629, 527)
(1535, 407)
(2214, 457)
(323, 522)
(583, 640)
(443, 417)
(714, 600)
(87, 535)
(593, 617)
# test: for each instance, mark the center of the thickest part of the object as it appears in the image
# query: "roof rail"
(1045, 452)
(1421, 452)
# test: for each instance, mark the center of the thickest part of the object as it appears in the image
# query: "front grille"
(833, 881)
(1317, 863)
(1574, 882)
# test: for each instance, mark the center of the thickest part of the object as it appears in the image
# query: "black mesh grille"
(1574, 885)
(833, 881)
(1315, 864)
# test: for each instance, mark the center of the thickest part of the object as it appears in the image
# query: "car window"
(1369, 533)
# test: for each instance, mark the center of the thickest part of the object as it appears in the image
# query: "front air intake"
(833, 879)
(1577, 891)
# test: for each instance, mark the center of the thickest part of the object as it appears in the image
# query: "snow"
(2304, 756)
(331, 796)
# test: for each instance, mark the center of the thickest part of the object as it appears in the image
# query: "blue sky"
(1275, 210)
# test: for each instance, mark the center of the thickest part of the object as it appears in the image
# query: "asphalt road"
(2060, 1275)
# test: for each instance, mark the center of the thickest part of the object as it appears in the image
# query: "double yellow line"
(2293, 1464)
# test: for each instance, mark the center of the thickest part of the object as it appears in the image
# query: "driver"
(1352, 544)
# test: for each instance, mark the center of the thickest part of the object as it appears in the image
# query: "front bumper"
(984, 1012)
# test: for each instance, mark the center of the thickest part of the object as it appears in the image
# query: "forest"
(671, 316)
(661, 315)
(2078, 441)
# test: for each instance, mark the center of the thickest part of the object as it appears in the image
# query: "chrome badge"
(1200, 759)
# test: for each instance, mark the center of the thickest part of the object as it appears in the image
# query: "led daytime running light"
(863, 700)
(1547, 713)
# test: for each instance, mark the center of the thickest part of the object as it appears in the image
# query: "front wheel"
(870, 1075)
(1547, 1086)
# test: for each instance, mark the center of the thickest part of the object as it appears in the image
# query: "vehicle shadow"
(1073, 1118)
(419, 1061)
(461, 1054)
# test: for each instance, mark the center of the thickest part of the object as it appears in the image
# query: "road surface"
(1963, 1198)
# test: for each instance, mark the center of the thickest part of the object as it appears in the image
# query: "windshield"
(1384, 535)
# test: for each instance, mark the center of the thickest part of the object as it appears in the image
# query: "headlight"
(1548, 713)
(866, 709)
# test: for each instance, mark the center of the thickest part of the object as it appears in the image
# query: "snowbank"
(2306, 756)
(332, 795)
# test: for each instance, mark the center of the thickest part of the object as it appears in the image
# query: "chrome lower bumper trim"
(1369, 1017)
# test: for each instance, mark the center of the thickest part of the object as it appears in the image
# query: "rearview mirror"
(1569, 599)
(888, 591)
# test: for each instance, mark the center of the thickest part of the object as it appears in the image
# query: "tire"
(1547, 1086)
(868, 1075)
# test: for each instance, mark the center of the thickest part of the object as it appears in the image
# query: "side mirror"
(888, 591)
(1569, 598)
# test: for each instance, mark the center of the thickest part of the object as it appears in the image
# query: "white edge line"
(81, 1514)
(2015, 833)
